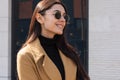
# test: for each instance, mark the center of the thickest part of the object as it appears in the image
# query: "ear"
(39, 18)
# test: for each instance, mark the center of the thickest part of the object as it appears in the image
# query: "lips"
(60, 26)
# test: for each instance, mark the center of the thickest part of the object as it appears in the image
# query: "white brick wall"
(5, 39)
(104, 39)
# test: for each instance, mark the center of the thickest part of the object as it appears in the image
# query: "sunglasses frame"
(58, 15)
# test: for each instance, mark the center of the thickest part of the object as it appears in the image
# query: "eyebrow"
(59, 11)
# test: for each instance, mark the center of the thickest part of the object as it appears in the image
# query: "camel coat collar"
(49, 68)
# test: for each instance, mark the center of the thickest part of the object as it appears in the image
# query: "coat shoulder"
(24, 51)
(32, 52)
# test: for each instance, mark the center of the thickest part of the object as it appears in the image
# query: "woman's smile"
(60, 26)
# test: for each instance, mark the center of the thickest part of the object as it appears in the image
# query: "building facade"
(5, 40)
(104, 40)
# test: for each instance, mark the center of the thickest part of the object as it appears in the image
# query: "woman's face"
(51, 25)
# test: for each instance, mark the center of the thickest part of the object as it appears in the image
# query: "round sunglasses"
(58, 15)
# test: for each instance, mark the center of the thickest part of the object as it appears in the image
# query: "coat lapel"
(46, 67)
(42, 59)
(69, 67)
(51, 69)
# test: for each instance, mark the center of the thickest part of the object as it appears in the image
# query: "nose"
(62, 18)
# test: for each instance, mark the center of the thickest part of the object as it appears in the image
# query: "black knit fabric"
(50, 47)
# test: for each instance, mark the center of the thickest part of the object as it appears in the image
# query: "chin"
(60, 33)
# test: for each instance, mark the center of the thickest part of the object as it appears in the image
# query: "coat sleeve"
(25, 67)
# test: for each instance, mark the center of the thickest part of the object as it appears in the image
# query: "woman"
(46, 55)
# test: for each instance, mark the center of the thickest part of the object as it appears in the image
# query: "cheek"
(49, 19)
(50, 23)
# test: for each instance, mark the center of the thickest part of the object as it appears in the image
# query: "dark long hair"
(67, 49)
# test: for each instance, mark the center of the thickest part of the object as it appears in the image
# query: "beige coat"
(34, 64)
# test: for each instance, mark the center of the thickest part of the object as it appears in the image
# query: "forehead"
(57, 7)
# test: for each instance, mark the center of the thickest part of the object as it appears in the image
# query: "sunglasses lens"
(66, 17)
(57, 15)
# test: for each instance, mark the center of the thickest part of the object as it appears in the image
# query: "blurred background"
(94, 30)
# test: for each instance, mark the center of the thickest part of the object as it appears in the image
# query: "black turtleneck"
(51, 49)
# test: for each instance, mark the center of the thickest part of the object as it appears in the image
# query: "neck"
(47, 35)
